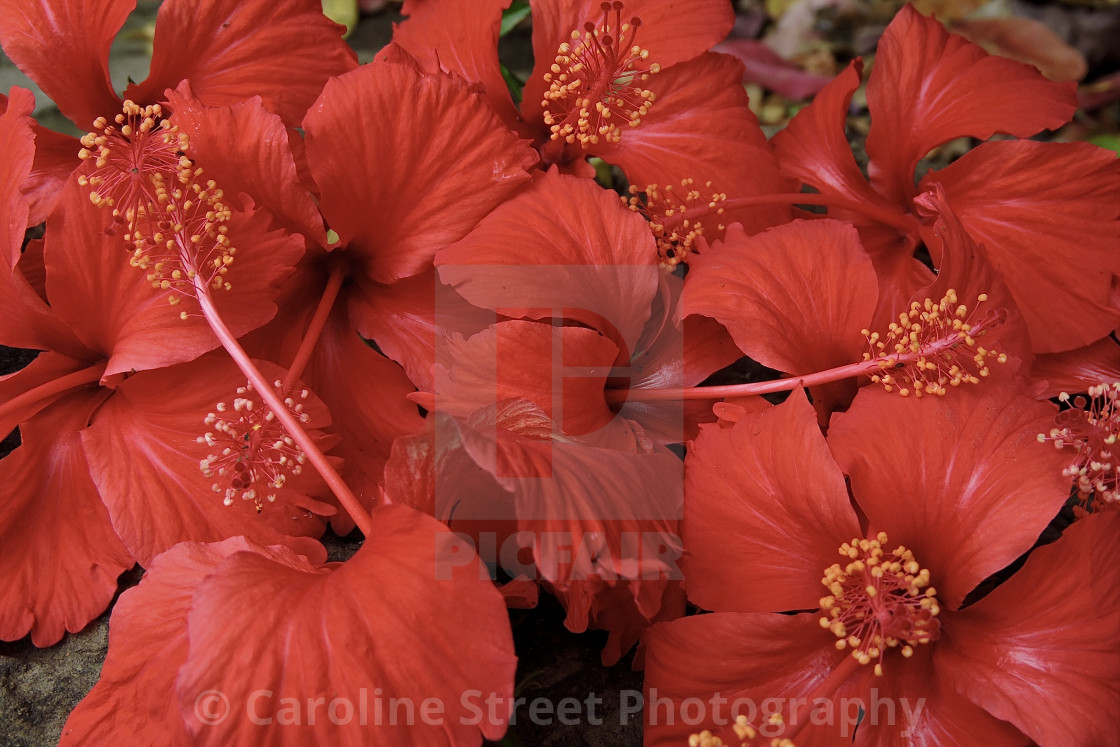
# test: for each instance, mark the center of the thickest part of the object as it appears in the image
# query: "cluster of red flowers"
(279, 290)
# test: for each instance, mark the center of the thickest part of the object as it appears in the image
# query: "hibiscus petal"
(930, 86)
(244, 148)
(147, 645)
(412, 318)
(701, 128)
(1077, 370)
(814, 147)
(59, 551)
(281, 50)
(113, 308)
(144, 456)
(1040, 651)
(794, 298)
(960, 480)
(766, 512)
(1046, 214)
(730, 664)
(460, 38)
(18, 144)
(523, 360)
(37, 34)
(564, 247)
(350, 633)
(424, 149)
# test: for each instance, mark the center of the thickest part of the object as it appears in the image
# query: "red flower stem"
(51, 388)
(620, 396)
(315, 327)
(283, 414)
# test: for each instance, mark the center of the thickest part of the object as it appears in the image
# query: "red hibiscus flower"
(86, 417)
(949, 491)
(230, 50)
(1045, 213)
(630, 82)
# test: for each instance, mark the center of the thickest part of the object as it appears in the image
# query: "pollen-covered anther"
(124, 154)
(878, 601)
(596, 81)
(677, 218)
(740, 733)
(1090, 431)
(933, 345)
(253, 455)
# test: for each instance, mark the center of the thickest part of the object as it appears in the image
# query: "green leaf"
(513, 84)
(1107, 140)
(344, 12)
(517, 12)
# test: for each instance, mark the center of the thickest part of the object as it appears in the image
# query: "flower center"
(175, 220)
(255, 455)
(667, 212)
(878, 601)
(933, 345)
(1091, 429)
(595, 81)
(125, 154)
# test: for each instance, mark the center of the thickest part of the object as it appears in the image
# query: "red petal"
(678, 355)
(960, 480)
(930, 86)
(59, 551)
(39, 33)
(516, 360)
(1046, 214)
(1077, 370)
(763, 494)
(718, 666)
(429, 153)
(47, 367)
(230, 50)
(18, 144)
(113, 308)
(147, 645)
(564, 247)
(814, 146)
(350, 634)
(912, 705)
(1040, 651)
(412, 318)
(144, 458)
(701, 128)
(460, 38)
(244, 148)
(794, 298)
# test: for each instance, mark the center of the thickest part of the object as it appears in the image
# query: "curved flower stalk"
(886, 617)
(176, 224)
(799, 298)
(105, 322)
(928, 87)
(282, 51)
